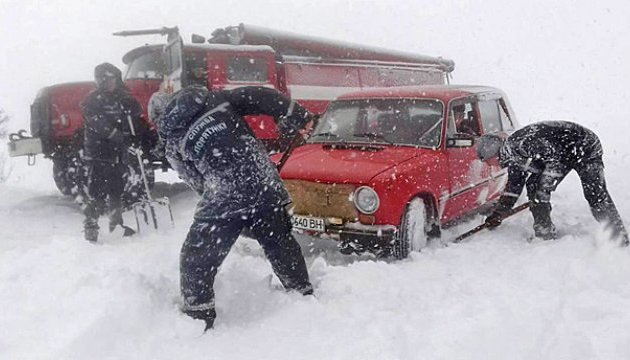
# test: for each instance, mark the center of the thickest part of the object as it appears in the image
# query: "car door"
(468, 175)
(495, 119)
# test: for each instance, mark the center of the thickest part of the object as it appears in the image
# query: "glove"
(493, 220)
(135, 150)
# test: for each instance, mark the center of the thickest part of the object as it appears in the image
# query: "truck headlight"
(366, 200)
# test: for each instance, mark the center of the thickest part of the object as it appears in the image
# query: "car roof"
(441, 92)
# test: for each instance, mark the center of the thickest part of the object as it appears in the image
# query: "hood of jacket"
(182, 110)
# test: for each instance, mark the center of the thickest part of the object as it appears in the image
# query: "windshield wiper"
(374, 136)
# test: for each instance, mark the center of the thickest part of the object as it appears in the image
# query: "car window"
(247, 69)
(463, 119)
(490, 117)
(506, 121)
(411, 122)
(196, 69)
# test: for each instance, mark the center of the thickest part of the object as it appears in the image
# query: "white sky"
(555, 59)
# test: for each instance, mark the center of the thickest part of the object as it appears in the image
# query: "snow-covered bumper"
(22, 145)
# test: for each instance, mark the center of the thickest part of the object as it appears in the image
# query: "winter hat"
(488, 146)
(106, 71)
(182, 109)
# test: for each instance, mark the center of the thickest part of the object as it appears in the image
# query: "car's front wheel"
(412, 234)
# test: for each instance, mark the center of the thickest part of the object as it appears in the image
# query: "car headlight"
(366, 200)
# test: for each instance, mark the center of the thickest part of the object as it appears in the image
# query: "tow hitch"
(21, 144)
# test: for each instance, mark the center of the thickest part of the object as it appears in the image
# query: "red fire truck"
(311, 70)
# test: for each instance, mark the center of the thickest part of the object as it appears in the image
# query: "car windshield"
(146, 66)
(413, 122)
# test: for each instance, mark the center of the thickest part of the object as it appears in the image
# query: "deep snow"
(495, 296)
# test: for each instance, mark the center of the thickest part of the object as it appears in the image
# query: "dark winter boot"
(543, 226)
(207, 316)
(545, 232)
(115, 219)
(90, 229)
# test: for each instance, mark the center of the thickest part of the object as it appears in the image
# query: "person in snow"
(538, 157)
(214, 151)
(108, 111)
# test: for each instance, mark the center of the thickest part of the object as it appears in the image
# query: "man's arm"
(97, 126)
(145, 137)
(513, 189)
(186, 170)
(252, 100)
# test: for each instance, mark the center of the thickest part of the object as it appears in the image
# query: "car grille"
(322, 200)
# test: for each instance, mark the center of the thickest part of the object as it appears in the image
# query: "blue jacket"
(215, 152)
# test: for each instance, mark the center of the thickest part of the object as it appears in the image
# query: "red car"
(385, 169)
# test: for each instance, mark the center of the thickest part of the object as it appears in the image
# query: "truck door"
(174, 72)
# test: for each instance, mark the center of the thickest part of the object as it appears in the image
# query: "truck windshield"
(412, 122)
(146, 66)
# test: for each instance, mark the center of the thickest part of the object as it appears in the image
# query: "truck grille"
(322, 200)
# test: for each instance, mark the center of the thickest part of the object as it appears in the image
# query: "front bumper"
(20, 145)
(357, 238)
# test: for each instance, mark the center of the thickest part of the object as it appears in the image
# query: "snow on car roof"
(444, 92)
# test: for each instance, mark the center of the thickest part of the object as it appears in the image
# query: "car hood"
(345, 164)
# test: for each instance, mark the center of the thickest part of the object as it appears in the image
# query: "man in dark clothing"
(213, 149)
(538, 157)
(108, 111)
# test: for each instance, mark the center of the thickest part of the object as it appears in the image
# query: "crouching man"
(538, 157)
(215, 152)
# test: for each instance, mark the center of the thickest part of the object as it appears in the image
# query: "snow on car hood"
(345, 164)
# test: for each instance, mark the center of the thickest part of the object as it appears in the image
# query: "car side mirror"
(460, 140)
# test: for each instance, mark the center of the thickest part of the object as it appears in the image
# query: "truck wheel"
(70, 175)
(413, 230)
(61, 176)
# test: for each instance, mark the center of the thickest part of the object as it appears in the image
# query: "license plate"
(308, 223)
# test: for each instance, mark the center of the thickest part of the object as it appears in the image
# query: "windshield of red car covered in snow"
(413, 122)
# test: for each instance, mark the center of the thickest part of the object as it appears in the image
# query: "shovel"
(140, 207)
(484, 225)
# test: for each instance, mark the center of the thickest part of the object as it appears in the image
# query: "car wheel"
(413, 229)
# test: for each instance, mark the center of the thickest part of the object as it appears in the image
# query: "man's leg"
(541, 210)
(115, 186)
(602, 206)
(206, 246)
(95, 201)
(272, 229)
(539, 196)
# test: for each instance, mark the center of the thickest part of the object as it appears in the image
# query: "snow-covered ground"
(495, 296)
